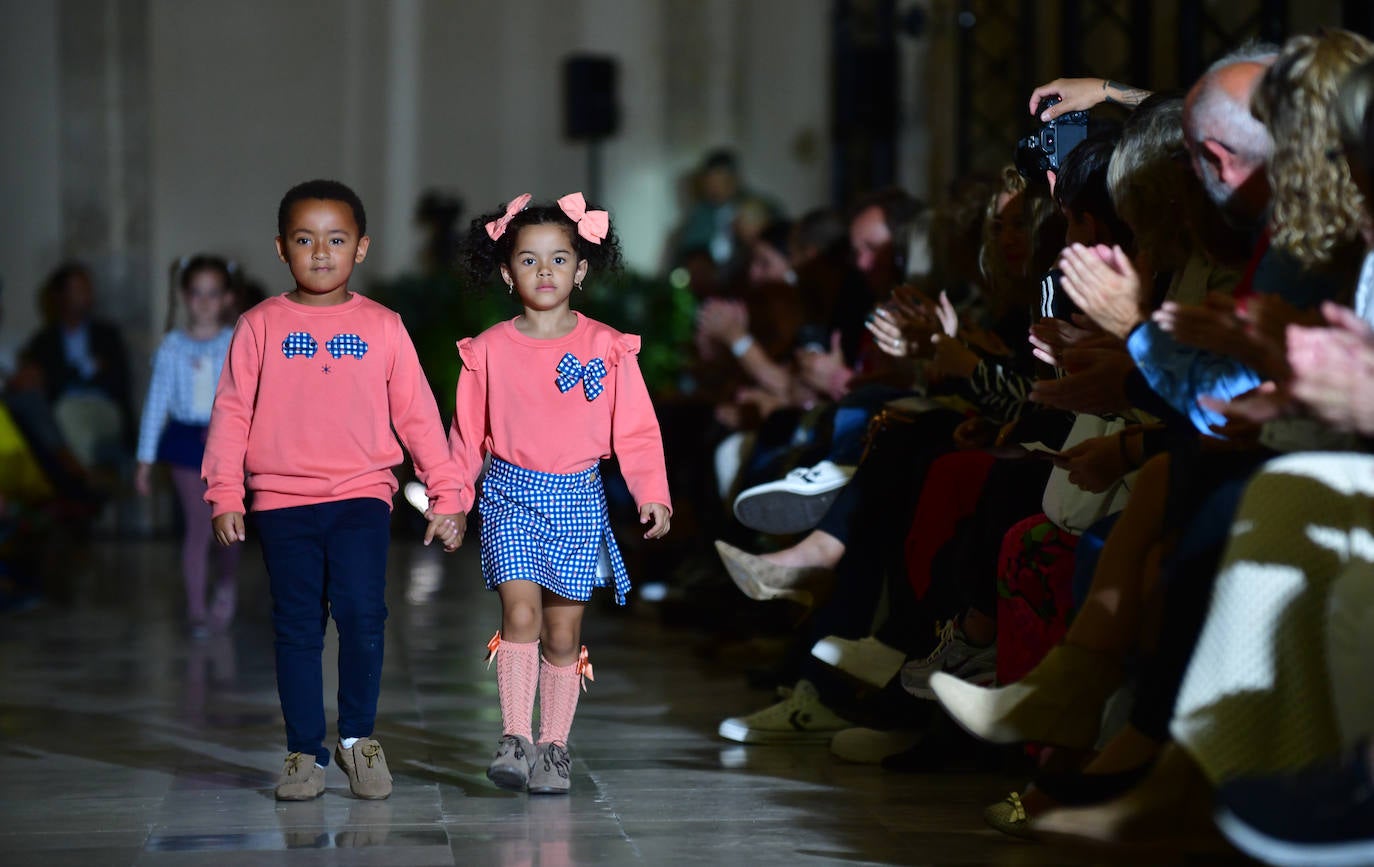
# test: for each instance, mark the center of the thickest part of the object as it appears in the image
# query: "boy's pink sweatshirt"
(509, 405)
(306, 405)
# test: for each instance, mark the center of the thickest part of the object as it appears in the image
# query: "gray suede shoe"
(301, 779)
(552, 771)
(510, 767)
(365, 764)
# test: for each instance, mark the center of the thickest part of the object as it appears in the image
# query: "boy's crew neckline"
(353, 301)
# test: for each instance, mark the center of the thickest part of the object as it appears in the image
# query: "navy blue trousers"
(322, 560)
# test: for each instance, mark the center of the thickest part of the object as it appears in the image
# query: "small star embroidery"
(325, 368)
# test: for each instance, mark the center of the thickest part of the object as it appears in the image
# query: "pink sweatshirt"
(509, 405)
(306, 405)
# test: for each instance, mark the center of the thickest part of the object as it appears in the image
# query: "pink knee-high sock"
(558, 688)
(517, 677)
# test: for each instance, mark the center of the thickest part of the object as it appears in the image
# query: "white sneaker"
(871, 746)
(955, 656)
(794, 503)
(798, 719)
(867, 659)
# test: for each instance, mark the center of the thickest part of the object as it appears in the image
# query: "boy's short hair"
(330, 191)
(1081, 185)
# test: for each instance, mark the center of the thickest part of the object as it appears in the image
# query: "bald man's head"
(1229, 147)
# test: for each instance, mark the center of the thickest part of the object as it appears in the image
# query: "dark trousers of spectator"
(871, 516)
(965, 573)
(327, 559)
(1187, 578)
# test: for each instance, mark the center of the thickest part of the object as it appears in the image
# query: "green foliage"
(439, 309)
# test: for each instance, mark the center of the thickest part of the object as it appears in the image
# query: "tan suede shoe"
(365, 764)
(301, 779)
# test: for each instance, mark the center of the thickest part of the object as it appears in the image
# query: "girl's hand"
(143, 479)
(448, 529)
(228, 528)
(658, 518)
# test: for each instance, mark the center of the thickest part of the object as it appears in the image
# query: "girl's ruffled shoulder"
(613, 344)
(470, 353)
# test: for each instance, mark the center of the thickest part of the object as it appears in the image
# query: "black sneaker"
(1323, 815)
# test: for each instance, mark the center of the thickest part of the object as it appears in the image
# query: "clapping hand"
(1104, 284)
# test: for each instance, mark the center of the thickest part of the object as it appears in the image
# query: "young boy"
(315, 381)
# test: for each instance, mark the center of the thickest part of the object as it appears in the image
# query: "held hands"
(656, 515)
(228, 528)
(448, 529)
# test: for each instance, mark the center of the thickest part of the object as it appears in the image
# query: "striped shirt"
(185, 371)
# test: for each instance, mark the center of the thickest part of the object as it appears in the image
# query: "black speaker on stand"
(591, 112)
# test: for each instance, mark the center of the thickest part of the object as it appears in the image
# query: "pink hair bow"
(592, 225)
(497, 227)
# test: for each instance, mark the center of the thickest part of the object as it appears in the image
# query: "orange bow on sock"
(492, 646)
(584, 668)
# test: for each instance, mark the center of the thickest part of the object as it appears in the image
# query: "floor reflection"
(124, 741)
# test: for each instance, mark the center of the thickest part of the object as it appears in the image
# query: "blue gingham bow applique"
(570, 370)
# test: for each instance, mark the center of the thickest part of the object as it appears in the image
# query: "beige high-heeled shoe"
(759, 579)
(1059, 702)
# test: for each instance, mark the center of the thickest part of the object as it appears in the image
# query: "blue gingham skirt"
(549, 528)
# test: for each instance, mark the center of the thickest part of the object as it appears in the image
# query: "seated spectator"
(84, 369)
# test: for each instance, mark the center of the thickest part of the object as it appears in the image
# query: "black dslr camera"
(1045, 149)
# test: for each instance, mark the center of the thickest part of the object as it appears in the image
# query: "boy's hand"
(657, 516)
(448, 529)
(228, 528)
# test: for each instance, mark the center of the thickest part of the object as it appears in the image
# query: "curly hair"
(1315, 208)
(482, 257)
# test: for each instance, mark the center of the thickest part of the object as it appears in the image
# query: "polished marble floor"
(122, 741)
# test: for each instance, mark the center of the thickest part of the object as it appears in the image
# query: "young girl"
(176, 416)
(548, 395)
